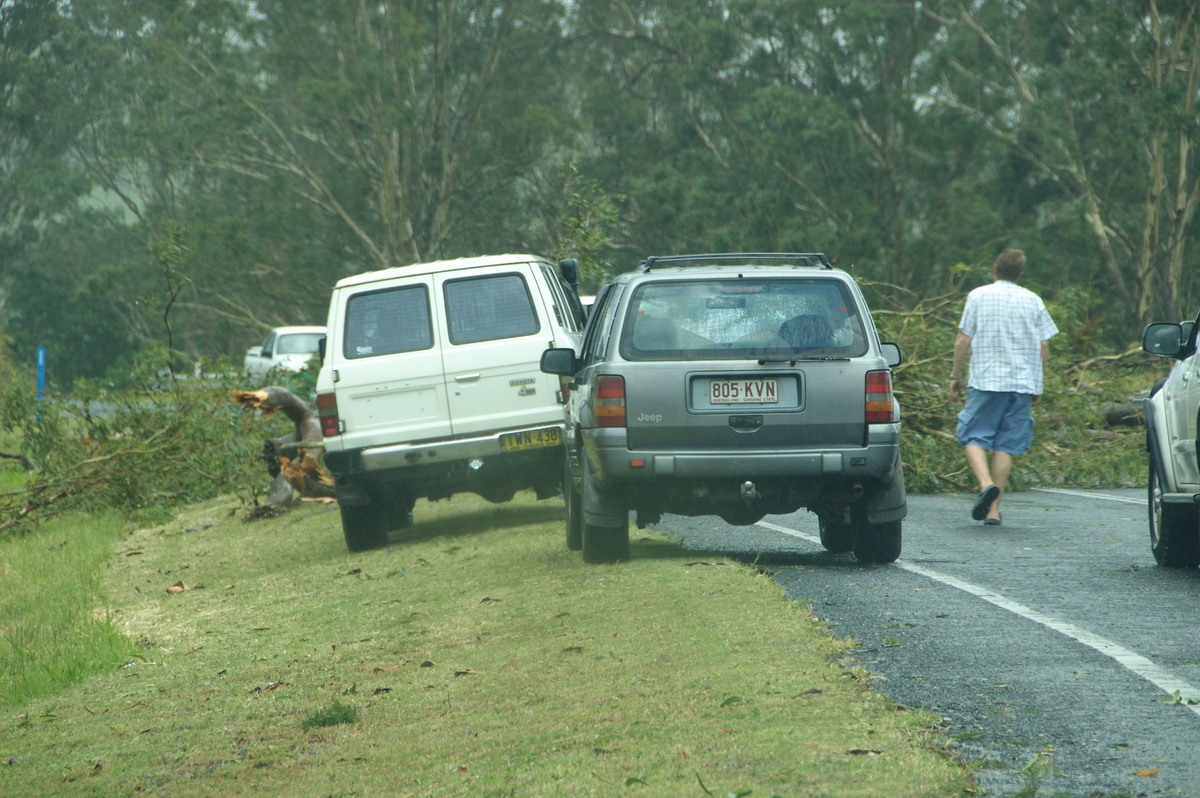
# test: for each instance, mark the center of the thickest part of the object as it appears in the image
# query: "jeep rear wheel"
(603, 544)
(363, 527)
(836, 536)
(1174, 528)
(874, 543)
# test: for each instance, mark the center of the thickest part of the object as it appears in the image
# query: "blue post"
(41, 380)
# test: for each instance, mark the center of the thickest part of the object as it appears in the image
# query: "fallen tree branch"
(293, 461)
(26, 463)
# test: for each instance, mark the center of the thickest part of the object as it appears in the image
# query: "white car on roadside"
(285, 350)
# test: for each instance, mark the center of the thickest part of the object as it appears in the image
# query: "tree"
(407, 123)
(1096, 111)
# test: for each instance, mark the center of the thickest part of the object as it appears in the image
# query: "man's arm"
(961, 344)
(1045, 356)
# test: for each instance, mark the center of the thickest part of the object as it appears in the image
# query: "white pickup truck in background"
(285, 350)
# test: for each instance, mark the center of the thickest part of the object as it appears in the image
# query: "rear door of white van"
(389, 366)
(498, 322)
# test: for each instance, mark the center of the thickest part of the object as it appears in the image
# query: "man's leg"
(1001, 468)
(978, 460)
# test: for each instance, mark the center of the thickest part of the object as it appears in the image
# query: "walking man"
(1006, 328)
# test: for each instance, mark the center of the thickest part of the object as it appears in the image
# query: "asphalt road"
(1060, 656)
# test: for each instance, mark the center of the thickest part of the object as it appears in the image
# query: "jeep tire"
(874, 543)
(836, 536)
(603, 544)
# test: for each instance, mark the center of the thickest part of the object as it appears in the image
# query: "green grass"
(53, 628)
(474, 656)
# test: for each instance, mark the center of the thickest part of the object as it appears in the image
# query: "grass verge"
(51, 632)
(474, 656)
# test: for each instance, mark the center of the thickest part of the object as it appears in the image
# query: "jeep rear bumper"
(809, 478)
(614, 462)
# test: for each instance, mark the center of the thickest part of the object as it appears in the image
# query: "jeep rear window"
(742, 318)
(387, 322)
(489, 308)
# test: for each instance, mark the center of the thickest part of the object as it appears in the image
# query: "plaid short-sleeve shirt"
(1007, 324)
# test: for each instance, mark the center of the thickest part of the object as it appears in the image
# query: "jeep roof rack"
(810, 259)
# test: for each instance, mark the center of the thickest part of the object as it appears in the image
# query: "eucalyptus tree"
(53, 74)
(647, 79)
(1095, 104)
(835, 115)
(37, 117)
(411, 124)
(259, 150)
(779, 124)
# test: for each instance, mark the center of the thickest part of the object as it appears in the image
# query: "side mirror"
(321, 348)
(891, 353)
(1163, 338)
(569, 269)
(559, 361)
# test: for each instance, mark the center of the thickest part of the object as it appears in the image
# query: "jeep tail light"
(327, 412)
(610, 401)
(879, 405)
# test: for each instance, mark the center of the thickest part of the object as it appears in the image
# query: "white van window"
(386, 322)
(489, 308)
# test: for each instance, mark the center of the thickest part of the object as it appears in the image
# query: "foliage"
(74, 307)
(586, 228)
(141, 452)
(273, 149)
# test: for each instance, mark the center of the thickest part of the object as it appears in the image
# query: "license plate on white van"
(743, 391)
(531, 439)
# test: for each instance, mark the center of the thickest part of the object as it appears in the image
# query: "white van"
(431, 385)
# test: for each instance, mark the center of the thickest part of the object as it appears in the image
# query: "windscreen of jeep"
(742, 318)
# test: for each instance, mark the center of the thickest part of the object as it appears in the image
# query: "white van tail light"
(880, 407)
(327, 412)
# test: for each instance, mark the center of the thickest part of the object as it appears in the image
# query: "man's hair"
(1009, 264)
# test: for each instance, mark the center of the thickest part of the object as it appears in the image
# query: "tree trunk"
(293, 460)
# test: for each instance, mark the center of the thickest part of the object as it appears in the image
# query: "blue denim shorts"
(1000, 421)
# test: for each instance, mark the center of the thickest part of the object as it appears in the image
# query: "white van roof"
(436, 266)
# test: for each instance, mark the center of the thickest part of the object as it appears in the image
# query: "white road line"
(1188, 695)
(1105, 496)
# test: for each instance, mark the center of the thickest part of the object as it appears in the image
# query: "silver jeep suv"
(733, 385)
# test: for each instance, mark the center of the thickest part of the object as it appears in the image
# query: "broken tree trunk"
(293, 461)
